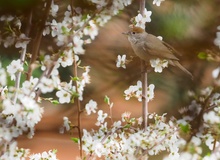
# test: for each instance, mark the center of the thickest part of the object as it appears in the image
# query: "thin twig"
(22, 57)
(37, 40)
(79, 109)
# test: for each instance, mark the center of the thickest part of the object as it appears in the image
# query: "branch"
(37, 40)
(144, 80)
(22, 57)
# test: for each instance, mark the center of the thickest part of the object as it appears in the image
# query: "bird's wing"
(172, 49)
(156, 48)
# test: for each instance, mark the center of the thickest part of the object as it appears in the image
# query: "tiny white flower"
(66, 59)
(216, 72)
(140, 21)
(78, 45)
(158, 64)
(64, 96)
(146, 15)
(91, 107)
(121, 61)
(157, 2)
(150, 92)
(101, 117)
(66, 123)
(125, 116)
(14, 67)
(91, 30)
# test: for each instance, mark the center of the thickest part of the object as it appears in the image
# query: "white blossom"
(3, 76)
(54, 9)
(66, 59)
(78, 45)
(22, 41)
(121, 61)
(142, 19)
(136, 91)
(217, 39)
(101, 117)
(158, 64)
(64, 96)
(157, 2)
(91, 107)
(50, 155)
(216, 72)
(14, 67)
(91, 30)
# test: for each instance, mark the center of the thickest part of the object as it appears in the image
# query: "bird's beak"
(125, 33)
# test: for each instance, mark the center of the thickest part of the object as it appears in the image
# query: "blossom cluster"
(203, 115)
(136, 91)
(125, 138)
(19, 105)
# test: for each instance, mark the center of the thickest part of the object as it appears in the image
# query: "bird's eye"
(133, 32)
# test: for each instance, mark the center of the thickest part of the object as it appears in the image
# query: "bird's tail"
(176, 63)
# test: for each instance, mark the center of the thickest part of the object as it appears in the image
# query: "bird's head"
(134, 33)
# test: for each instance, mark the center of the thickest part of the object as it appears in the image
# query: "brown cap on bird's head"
(136, 29)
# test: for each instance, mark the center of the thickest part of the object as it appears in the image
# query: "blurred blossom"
(101, 117)
(160, 38)
(46, 85)
(28, 86)
(54, 9)
(14, 67)
(125, 116)
(136, 91)
(78, 43)
(3, 76)
(9, 41)
(142, 19)
(158, 64)
(121, 61)
(211, 117)
(66, 123)
(91, 107)
(217, 39)
(216, 72)
(66, 59)
(91, 30)
(50, 155)
(22, 41)
(157, 2)
(7, 18)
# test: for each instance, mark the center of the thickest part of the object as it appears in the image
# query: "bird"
(147, 46)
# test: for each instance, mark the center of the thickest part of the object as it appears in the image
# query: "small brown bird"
(147, 46)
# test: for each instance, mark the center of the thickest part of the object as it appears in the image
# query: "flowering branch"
(22, 57)
(78, 108)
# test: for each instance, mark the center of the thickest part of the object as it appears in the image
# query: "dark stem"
(37, 40)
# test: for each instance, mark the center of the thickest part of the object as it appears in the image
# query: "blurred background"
(190, 26)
